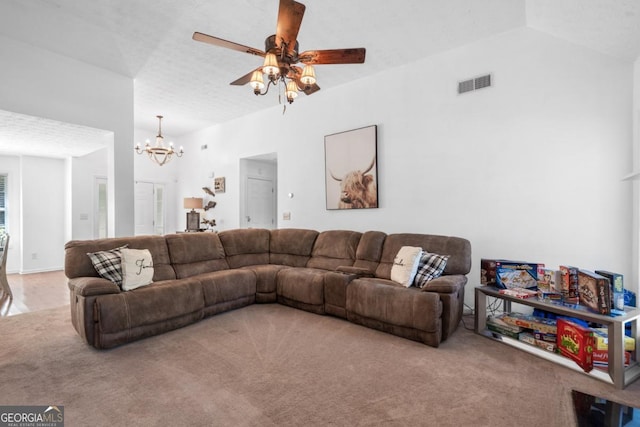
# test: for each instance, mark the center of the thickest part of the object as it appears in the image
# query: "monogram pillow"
(137, 268)
(405, 265)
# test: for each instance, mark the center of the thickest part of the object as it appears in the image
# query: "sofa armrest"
(88, 286)
(360, 272)
(447, 284)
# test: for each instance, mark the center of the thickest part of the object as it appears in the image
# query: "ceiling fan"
(281, 56)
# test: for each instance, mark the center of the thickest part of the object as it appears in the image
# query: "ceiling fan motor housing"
(271, 46)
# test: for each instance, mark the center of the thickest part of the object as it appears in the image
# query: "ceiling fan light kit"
(281, 56)
(159, 153)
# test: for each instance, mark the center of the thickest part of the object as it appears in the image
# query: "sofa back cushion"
(458, 249)
(196, 253)
(248, 246)
(291, 246)
(370, 250)
(78, 264)
(334, 248)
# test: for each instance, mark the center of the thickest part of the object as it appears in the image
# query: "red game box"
(576, 342)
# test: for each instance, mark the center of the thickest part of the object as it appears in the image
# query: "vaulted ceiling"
(188, 82)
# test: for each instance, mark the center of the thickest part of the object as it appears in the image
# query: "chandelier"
(159, 153)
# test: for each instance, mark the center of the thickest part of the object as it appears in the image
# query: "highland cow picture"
(351, 169)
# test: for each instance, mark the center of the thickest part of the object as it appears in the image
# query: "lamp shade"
(308, 75)
(270, 66)
(292, 90)
(193, 202)
(257, 83)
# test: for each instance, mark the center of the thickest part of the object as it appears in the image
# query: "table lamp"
(193, 217)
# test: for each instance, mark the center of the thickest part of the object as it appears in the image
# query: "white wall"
(43, 201)
(528, 169)
(44, 84)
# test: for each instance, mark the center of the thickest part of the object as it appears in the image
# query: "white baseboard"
(44, 270)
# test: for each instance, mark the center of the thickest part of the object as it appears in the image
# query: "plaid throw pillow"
(431, 266)
(108, 264)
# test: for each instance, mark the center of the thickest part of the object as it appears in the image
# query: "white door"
(260, 203)
(144, 207)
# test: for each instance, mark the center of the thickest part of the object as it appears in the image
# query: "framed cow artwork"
(351, 169)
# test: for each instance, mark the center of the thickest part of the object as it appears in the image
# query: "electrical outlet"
(286, 216)
(34, 256)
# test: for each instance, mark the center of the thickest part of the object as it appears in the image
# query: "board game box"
(594, 293)
(569, 284)
(617, 288)
(576, 343)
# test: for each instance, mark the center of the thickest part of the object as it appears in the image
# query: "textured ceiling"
(34, 136)
(188, 82)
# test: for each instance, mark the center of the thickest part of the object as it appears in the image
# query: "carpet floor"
(271, 365)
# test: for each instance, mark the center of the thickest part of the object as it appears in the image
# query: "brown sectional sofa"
(339, 272)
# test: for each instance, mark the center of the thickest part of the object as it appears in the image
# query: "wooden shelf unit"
(618, 375)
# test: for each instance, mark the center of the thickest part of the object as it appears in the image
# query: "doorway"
(149, 208)
(101, 208)
(258, 191)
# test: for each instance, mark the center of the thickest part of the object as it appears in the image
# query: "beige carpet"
(270, 365)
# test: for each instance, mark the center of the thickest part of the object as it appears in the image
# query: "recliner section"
(338, 272)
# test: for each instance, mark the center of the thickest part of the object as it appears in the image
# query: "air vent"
(474, 84)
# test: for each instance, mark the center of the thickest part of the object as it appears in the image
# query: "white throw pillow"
(405, 265)
(137, 268)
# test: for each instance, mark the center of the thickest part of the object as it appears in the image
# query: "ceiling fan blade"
(333, 56)
(290, 16)
(205, 38)
(244, 79)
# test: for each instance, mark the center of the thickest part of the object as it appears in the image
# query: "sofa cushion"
(196, 253)
(405, 265)
(303, 285)
(246, 246)
(137, 268)
(227, 285)
(108, 264)
(370, 250)
(153, 304)
(391, 303)
(78, 264)
(431, 266)
(334, 248)
(291, 246)
(458, 248)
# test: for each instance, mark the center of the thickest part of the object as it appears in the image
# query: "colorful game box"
(576, 343)
(601, 358)
(617, 287)
(531, 322)
(594, 292)
(601, 335)
(569, 284)
(516, 274)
